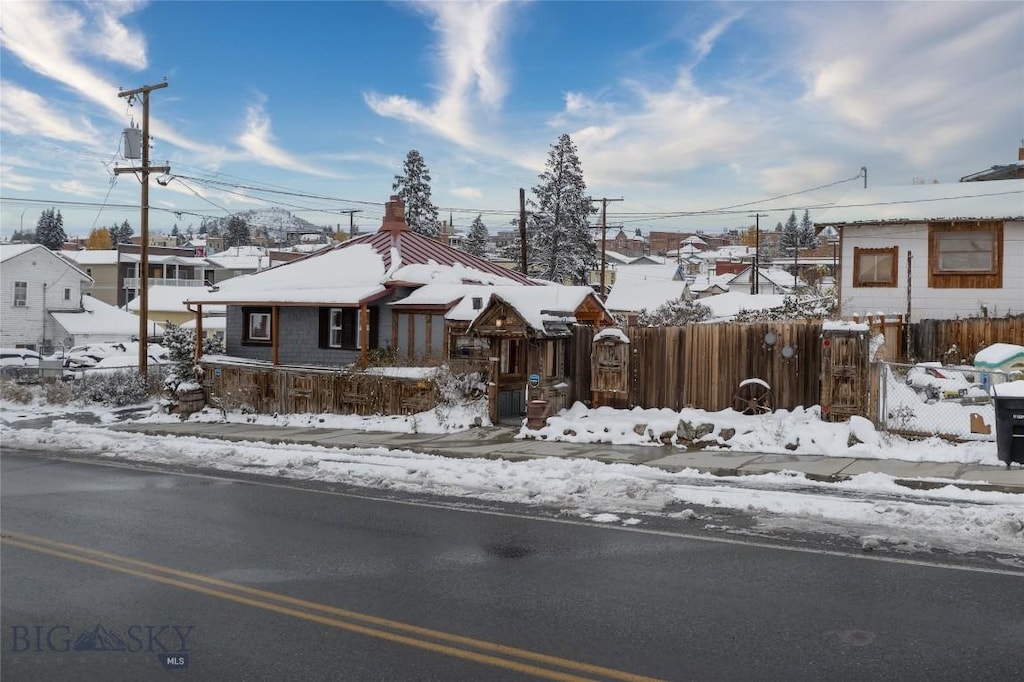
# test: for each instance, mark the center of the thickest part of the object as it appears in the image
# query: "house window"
(257, 325)
(965, 255)
(554, 359)
(339, 328)
(20, 294)
(512, 356)
(67, 293)
(875, 267)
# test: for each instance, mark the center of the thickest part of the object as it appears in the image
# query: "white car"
(17, 362)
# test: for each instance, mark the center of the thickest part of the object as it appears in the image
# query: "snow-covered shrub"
(461, 396)
(58, 392)
(118, 388)
(813, 307)
(14, 392)
(674, 313)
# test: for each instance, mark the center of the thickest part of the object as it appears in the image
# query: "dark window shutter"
(325, 327)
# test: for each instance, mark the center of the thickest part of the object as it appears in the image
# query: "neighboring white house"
(938, 251)
(773, 281)
(35, 282)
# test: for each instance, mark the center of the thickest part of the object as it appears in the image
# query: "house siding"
(300, 339)
(928, 303)
(46, 275)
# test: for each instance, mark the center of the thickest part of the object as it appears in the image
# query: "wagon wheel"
(753, 397)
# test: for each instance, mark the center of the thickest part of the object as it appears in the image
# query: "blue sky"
(676, 107)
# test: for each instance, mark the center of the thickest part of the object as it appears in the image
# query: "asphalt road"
(241, 581)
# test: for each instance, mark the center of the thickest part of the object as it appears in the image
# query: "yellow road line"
(151, 571)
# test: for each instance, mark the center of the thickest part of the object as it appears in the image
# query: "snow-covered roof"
(164, 259)
(776, 276)
(339, 276)
(996, 199)
(213, 323)
(8, 251)
(98, 317)
(636, 295)
(241, 258)
(170, 299)
(530, 303)
(611, 333)
(425, 273)
(728, 305)
(360, 269)
(92, 256)
(647, 273)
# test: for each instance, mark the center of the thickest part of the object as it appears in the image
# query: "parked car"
(934, 382)
(18, 363)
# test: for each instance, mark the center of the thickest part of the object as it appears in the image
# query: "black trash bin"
(1009, 427)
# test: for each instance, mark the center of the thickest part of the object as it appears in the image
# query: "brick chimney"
(394, 216)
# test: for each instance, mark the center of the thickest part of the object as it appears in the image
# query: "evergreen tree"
(558, 230)
(808, 240)
(202, 228)
(237, 232)
(414, 189)
(476, 242)
(99, 240)
(176, 233)
(121, 234)
(790, 238)
(50, 230)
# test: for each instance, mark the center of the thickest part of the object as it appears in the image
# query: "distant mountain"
(99, 639)
(276, 222)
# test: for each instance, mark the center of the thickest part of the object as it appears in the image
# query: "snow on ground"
(885, 514)
(799, 432)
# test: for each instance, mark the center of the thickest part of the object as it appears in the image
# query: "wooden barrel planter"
(191, 401)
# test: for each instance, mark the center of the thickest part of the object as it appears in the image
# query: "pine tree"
(99, 240)
(558, 230)
(50, 230)
(121, 234)
(237, 232)
(808, 240)
(790, 238)
(414, 189)
(476, 242)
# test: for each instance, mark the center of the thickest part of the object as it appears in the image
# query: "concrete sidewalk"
(500, 443)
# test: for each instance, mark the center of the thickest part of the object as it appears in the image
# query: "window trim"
(860, 252)
(22, 300)
(965, 279)
(249, 315)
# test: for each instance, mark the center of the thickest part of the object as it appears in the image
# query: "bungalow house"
(330, 308)
(938, 251)
(769, 281)
(35, 283)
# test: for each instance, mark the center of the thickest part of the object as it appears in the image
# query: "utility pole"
(755, 276)
(522, 229)
(351, 220)
(604, 261)
(145, 169)
(864, 172)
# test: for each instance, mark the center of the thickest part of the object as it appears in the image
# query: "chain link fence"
(931, 399)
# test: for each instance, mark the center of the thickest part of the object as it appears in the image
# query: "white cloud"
(25, 113)
(77, 187)
(470, 38)
(258, 140)
(466, 192)
(924, 92)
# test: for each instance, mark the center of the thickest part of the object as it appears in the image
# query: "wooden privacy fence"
(293, 390)
(702, 365)
(933, 339)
